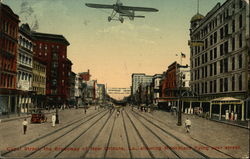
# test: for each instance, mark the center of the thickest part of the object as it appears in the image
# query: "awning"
(226, 100)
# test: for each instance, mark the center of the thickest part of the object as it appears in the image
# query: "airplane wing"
(143, 9)
(102, 6)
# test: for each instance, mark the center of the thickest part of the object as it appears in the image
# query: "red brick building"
(168, 87)
(8, 59)
(85, 75)
(52, 48)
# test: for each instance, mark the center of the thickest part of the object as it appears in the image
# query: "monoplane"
(123, 11)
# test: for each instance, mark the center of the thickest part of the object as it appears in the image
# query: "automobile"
(38, 117)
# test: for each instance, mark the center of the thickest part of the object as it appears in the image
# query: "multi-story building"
(8, 56)
(39, 82)
(156, 84)
(72, 97)
(140, 79)
(52, 48)
(100, 94)
(219, 58)
(79, 87)
(85, 75)
(24, 69)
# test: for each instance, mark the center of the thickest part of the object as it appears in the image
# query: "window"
(215, 37)
(226, 29)
(215, 53)
(211, 69)
(221, 66)
(205, 43)
(240, 21)
(221, 50)
(211, 39)
(233, 26)
(240, 4)
(240, 61)
(203, 59)
(215, 86)
(221, 33)
(211, 86)
(233, 63)
(240, 40)
(215, 68)
(233, 83)
(211, 54)
(240, 82)
(233, 44)
(225, 84)
(226, 47)
(205, 87)
(221, 85)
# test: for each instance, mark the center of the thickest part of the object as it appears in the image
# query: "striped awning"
(226, 100)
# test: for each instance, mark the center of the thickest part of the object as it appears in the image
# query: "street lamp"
(57, 115)
(179, 123)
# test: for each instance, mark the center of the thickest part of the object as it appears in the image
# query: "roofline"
(50, 37)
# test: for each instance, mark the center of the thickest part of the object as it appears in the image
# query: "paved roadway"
(133, 134)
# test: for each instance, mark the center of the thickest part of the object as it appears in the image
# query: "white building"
(24, 69)
(219, 58)
(140, 78)
(156, 82)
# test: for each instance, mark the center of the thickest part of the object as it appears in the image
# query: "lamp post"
(179, 123)
(57, 115)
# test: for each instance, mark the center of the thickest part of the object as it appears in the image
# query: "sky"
(112, 51)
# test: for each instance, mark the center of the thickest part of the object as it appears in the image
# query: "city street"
(101, 133)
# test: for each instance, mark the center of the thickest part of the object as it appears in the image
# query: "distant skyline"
(112, 51)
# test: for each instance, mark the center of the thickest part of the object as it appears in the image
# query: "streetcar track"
(99, 132)
(140, 136)
(110, 135)
(55, 139)
(126, 132)
(159, 138)
(80, 135)
(212, 147)
(193, 138)
(169, 147)
(53, 132)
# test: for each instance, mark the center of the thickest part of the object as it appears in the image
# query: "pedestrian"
(25, 124)
(118, 112)
(85, 110)
(188, 125)
(53, 120)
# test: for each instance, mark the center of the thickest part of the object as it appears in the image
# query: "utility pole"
(179, 76)
(179, 123)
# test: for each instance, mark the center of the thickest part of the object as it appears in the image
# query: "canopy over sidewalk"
(226, 100)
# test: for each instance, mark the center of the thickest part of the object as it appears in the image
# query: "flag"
(183, 55)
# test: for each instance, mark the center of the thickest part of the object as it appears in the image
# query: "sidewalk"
(238, 123)
(243, 124)
(11, 117)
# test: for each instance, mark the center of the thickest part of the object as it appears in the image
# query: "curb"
(223, 122)
(18, 117)
(241, 126)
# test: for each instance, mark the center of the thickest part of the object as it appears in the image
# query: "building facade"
(52, 49)
(8, 59)
(24, 69)
(156, 88)
(140, 79)
(39, 82)
(219, 57)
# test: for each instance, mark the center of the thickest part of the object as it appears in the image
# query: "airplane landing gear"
(121, 19)
(109, 18)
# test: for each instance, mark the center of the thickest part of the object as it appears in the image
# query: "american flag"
(183, 55)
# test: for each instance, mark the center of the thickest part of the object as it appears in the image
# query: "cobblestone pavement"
(131, 134)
